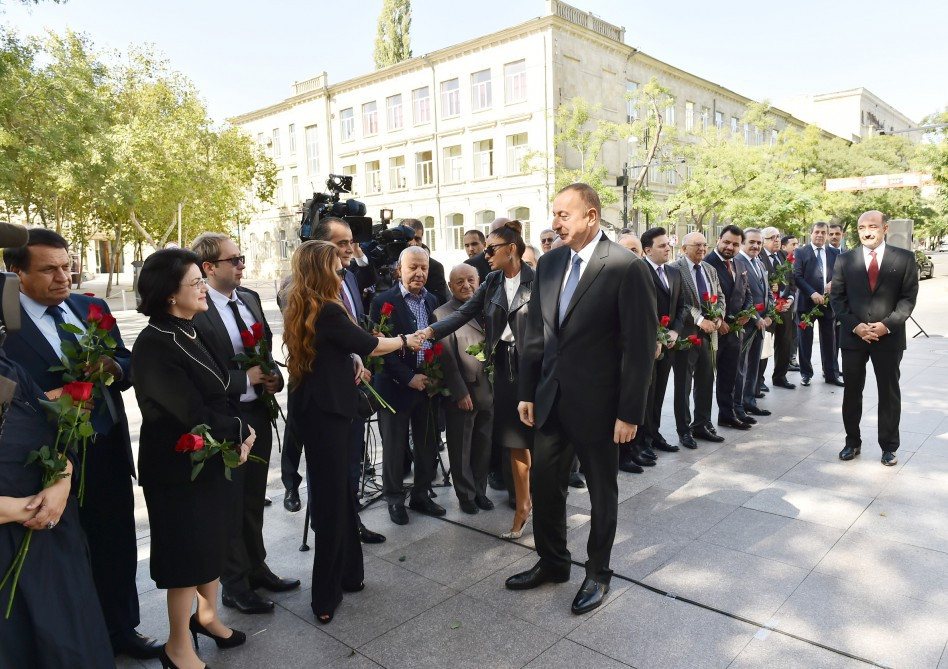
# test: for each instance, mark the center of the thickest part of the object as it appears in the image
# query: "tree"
(579, 133)
(393, 41)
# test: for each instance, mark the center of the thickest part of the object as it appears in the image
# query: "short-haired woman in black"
(503, 301)
(180, 384)
(320, 338)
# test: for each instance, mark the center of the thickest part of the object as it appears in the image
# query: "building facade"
(852, 114)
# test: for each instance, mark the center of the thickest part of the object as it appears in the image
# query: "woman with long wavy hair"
(321, 341)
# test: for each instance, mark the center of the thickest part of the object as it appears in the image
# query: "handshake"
(425, 334)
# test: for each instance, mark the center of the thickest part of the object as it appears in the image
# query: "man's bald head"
(632, 243)
(499, 223)
(463, 281)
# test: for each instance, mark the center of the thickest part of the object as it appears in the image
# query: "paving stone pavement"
(770, 528)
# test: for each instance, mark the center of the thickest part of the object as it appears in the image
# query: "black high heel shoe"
(166, 662)
(236, 637)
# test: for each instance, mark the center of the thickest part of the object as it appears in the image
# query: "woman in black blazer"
(180, 384)
(320, 340)
(503, 301)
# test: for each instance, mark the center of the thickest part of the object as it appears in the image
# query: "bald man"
(479, 261)
(632, 243)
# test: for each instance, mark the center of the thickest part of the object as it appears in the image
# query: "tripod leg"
(304, 546)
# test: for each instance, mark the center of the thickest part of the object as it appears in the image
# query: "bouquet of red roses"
(375, 363)
(691, 341)
(709, 303)
(257, 353)
(201, 446)
(810, 317)
(775, 312)
(781, 273)
(432, 369)
(747, 313)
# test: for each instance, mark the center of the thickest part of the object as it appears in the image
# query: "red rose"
(437, 349)
(775, 295)
(665, 321)
(429, 355)
(790, 258)
(714, 299)
(107, 322)
(387, 309)
(95, 313)
(802, 325)
(80, 391)
(760, 308)
(705, 296)
(248, 339)
(189, 442)
(89, 294)
(257, 330)
(695, 340)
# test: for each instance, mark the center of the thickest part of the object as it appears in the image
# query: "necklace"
(192, 336)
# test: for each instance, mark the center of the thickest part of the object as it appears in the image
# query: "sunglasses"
(491, 249)
(235, 261)
(547, 240)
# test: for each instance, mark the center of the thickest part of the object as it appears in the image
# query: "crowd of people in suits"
(555, 365)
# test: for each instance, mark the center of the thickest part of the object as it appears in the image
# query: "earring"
(173, 301)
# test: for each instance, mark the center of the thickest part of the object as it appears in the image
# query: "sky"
(245, 55)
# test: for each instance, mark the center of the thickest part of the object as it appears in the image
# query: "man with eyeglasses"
(547, 237)
(107, 514)
(231, 310)
(773, 258)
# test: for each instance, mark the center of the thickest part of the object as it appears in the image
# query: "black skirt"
(509, 430)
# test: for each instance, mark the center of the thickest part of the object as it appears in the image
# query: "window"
(424, 169)
(431, 236)
(689, 116)
(480, 90)
(450, 98)
(455, 226)
(295, 191)
(421, 105)
(719, 120)
(670, 115)
(705, 118)
(521, 214)
(347, 124)
(284, 245)
(373, 177)
(292, 138)
(483, 219)
(773, 137)
(312, 150)
(631, 103)
(735, 125)
(516, 152)
(453, 172)
(484, 159)
(350, 170)
(515, 82)
(758, 136)
(393, 112)
(267, 251)
(671, 176)
(276, 142)
(260, 139)
(370, 119)
(396, 173)
(278, 198)
(747, 133)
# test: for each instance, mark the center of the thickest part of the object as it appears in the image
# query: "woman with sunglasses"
(321, 339)
(502, 302)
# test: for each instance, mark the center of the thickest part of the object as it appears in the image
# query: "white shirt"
(510, 287)
(661, 275)
(692, 266)
(351, 299)
(230, 324)
(586, 254)
(45, 323)
(880, 251)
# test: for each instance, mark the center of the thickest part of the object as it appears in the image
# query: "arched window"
(483, 219)
(431, 235)
(454, 223)
(521, 214)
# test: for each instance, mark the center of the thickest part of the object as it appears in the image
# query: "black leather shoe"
(247, 602)
(367, 536)
(793, 367)
(688, 441)
(137, 645)
(467, 506)
(496, 481)
(763, 388)
(785, 384)
(398, 514)
(527, 580)
(757, 411)
(576, 481)
(665, 446)
(236, 638)
(267, 501)
(591, 594)
(483, 502)
(836, 382)
(512, 502)
(706, 434)
(759, 395)
(733, 423)
(805, 381)
(744, 418)
(640, 461)
(630, 467)
(647, 452)
(426, 506)
(266, 579)
(291, 500)
(889, 459)
(849, 452)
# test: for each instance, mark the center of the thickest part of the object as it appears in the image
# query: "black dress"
(322, 406)
(180, 385)
(56, 621)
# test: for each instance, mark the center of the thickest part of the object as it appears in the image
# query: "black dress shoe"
(759, 395)
(483, 502)
(496, 481)
(398, 514)
(663, 445)
(291, 500)
(236, 638)
(835, 382)
(733, 423)
(647, 452)
(267, 501)
(849, 452)
(626, 465)
(805, 381)
(640, 461)
(688, 441)
(426, 506)
(266, 579)
(576, 481)
(367, 536)
(793, 368)
(137, 645)
(527, 580)
(744, 418)
(467, 506)
(889, 459)
(706, 434)
(763, 388)
(247, 602)
(785, 384)
(591, 594)
(757, 411)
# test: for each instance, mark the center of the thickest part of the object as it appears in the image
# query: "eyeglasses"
(197, 283)
(491, 249)
(341, 272)
(235, 261)
(697, 246)
(547, 240)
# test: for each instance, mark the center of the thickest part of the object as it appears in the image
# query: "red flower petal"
(248, 339)
(387, 309)
(95, 313)
(665, 321)
(79, 391)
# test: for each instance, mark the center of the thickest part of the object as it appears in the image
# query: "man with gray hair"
(774, 259)
(631, 241)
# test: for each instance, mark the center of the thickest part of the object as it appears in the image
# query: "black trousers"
(649, 431)
(422, 417)
(827, 348)
(290, 459)
(245, 550)
(885, 364)
(107, 517)
(337, 559)
(693, 368)
(469, 442)
(553, 451)
(745, 383)
(728, 359)
(783, 346)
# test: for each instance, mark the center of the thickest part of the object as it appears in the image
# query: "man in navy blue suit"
(402, 386)
(813, 273)
(108, 512)
(745, 387)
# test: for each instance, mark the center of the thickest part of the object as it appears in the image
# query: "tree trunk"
(115, 256)
(144, 233)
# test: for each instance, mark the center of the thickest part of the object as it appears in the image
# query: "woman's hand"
(415, 341)
(358, 367)
(244, 452)
(49, 504)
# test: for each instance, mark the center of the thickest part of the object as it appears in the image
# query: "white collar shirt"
(586, 254)
(880, 251)
(45, 323)
(233, 332)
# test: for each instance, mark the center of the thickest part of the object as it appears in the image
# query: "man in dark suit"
(108, 511)
(232, 310)
(400, 384)
(874, 290)
(813, 273)
(436, 285)
(773, 259)
(696, 364)
(587, 357)
(745, 384)
(737, 297)
(474, 241)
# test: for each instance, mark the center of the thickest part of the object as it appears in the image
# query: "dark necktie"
(700, 282)
(819, 261)
(571, 282)
(727, 263)
(873, 271)
(241, 326)
(661, 275)
(56, 313)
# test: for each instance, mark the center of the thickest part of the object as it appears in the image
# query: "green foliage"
(578, 131)
(393, 41)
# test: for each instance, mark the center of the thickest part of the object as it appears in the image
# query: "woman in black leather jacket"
(502, 304)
